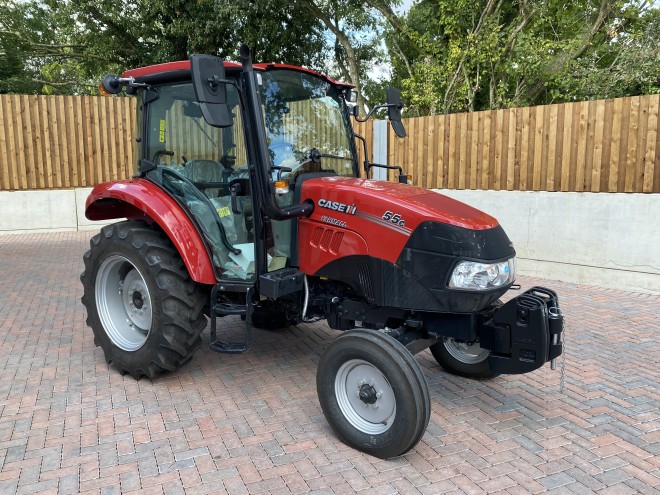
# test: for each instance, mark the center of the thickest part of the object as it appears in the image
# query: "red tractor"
(248, 201)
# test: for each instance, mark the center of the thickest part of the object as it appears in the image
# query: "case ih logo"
(340, 207)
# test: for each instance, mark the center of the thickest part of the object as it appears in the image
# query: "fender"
(139, 199)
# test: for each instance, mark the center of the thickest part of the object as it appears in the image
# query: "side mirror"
(394, 107)
(208, 75)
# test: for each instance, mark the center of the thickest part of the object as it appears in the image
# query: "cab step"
(227, 309)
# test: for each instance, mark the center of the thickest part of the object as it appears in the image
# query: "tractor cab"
(206, 167)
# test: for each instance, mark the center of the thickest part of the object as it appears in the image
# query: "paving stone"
(252, 423)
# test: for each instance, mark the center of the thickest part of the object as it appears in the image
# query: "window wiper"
(205, 133)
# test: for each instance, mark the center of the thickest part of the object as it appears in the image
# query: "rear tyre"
(373, 393)
(458, 358)
(145, 311)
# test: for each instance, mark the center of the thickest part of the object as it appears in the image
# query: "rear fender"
(139, 199)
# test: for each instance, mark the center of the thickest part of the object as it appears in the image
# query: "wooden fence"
(64, 141)
(597, 146)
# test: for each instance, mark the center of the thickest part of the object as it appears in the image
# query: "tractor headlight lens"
(473, 275)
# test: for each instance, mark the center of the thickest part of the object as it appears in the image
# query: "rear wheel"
(463, 359)
(373, 393)
(145, 311)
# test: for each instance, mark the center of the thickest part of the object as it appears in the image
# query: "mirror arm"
(377, 107)
(389, 167)
(367, 164)
(215, 81)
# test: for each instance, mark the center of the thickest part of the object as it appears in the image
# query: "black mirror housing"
(208, 75)
(394, 106)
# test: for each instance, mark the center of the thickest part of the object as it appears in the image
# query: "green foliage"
(55, 46)
(446, 55)
(482, 54)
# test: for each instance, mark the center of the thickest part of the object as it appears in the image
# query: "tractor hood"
(386, 214)
(421, 204)
(403, 243)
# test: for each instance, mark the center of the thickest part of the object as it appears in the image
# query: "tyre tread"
(180, 336)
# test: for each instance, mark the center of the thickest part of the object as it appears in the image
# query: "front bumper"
(525, 333)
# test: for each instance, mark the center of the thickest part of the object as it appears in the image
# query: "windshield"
(304, 112)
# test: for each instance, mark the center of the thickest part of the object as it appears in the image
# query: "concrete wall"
(44, 211)
(612, 240)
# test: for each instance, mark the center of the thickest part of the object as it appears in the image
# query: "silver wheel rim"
(356, 376)
(466, 353)
(123, 303)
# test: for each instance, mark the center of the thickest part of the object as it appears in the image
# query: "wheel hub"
(123, 303)
(368, 394)
(138, 300)
(365, 397)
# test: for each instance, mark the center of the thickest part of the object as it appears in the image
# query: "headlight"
(482, 276)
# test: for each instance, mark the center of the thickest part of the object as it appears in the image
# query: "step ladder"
(226, 309)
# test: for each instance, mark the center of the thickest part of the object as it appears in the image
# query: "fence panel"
(50, 142)
(596, 146)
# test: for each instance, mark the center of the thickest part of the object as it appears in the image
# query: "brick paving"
(252, 423)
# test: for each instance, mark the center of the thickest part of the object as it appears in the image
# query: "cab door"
(206, 169)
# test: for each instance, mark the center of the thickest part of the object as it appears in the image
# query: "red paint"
(140, 199)
(185, 65)
(372, 199)
(314, 254)
(166, 67)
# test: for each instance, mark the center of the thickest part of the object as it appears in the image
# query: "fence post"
(380, 149)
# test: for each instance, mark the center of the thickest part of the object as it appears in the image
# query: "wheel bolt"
(371, 383)
(379, 394)
(375, 406)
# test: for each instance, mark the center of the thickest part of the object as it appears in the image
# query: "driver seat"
(204, 171)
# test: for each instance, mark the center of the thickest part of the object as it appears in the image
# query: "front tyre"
(145, 311)
(373, 393)
(464, 359)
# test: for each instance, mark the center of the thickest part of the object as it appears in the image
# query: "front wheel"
(145, 311)
(373, 393)
(464, 359)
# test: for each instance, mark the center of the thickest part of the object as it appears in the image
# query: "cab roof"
(181, 70)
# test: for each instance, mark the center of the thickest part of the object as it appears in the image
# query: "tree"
(67, 46)
(355, 28)
(462, 55)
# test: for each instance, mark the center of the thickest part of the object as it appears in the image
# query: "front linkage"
(525, 333)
